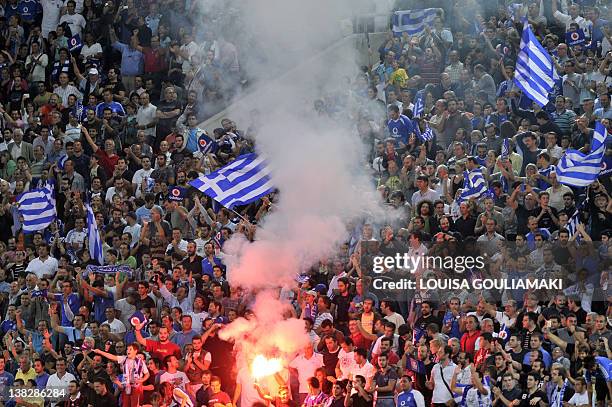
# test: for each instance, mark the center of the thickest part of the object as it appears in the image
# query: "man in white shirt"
(43, 266)
(305, 365)
(424, 192)
(346, 359)
(362, 368)
(51, 14)
(60, 379)
(140, 180)
(145, 117)
(571, 17)
(441, 377)
(116, 326)
(75, 21)
(580, 397)
(390, 315)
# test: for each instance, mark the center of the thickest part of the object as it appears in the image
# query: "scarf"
(136, 373)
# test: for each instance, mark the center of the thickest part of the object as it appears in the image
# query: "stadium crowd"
(113, 122)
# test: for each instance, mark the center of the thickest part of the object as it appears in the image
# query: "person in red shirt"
(484, 351)
(158, 349)
(471, 335)
(357, 337)
(385, 347)
(108, 158)
(218, 398)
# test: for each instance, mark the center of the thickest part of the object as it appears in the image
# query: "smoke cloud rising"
(318, 162)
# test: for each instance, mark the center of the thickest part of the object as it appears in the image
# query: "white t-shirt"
(472, 398)
(75, 21)
(40, 268)
(116, 327)
(248, 393)
(178, 379)
(51, 14)
(137, 180)
(197, 320)
(306, 369)
(55, 382)
(440, 391)
(346, 362)
(367, 370)
(88, 51)
(145, 115)
(579, 399)
(397, 319)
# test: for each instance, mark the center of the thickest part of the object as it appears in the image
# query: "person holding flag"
(400, 127)
(193, 136)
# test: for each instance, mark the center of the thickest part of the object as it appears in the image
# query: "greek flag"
(427, 135)
(61, 161)
(578, 169)
(95, 243)
(535, 72)
(37, 208)
(412, 22)
(419, 105)
(243, 181)
(505, 149)
(474, 185)
(572, 223)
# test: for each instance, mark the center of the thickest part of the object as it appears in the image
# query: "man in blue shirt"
(6, 379)
(107, 102)
(409, 397)
(399, 126)
(67, 301)
(535, 344)
(132, 60)
(210, 260)
(29, 10)
(535, 232)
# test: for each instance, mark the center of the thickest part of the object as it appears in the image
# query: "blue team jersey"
(400, 129)
(406, 399)
(116, 107)
(28, 9)
(605, 366)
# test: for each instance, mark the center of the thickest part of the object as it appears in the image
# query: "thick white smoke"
(318, 162)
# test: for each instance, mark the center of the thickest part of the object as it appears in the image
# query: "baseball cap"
(311, 292)
(93, 71)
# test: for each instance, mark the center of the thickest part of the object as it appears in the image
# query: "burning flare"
(262, 367)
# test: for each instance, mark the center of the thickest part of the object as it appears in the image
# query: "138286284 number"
(55, 393)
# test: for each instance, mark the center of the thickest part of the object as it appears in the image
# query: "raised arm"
(92, 144)
(107, 355)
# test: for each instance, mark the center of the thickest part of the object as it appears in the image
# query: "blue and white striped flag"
(427, 135)
(572, 223)
(474, 185)
(412, 22)
(419, 105)
(37, 208)
(578, 169)
(95, 242)
(574, 220)
(514, 10)
(505, 149)
(61, 161)
(243, 181)
(535, 71)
